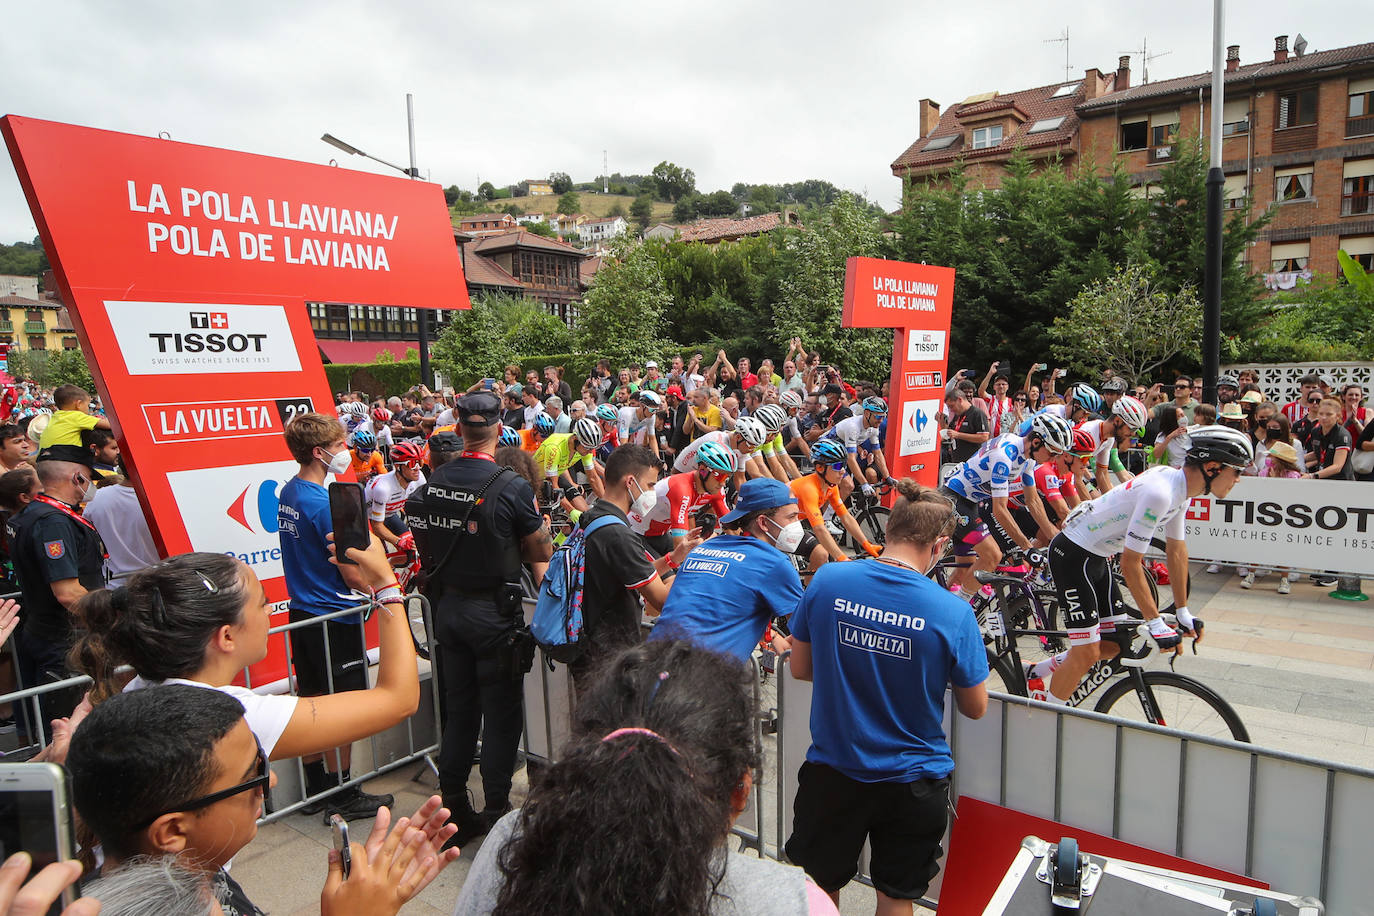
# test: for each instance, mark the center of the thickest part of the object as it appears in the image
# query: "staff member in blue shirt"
(730, 587)
(868, 634)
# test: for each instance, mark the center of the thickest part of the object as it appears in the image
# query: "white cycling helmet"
(752, 431)
(1131, 410)
(791, 400)
(772, 417)
(1053, 430)
(357, 408)
(587, 432)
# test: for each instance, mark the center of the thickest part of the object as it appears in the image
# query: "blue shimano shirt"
(303, 520)
(885, 642)
(726, 592)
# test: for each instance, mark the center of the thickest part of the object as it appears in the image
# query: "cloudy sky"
(737, 90)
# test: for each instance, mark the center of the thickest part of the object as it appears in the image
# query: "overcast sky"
(737, 90)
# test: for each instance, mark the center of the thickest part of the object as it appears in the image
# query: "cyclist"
(608, 421)
(744, 440)
(774, 451)
(386, 494)
(817, 490)
(679, 497)
(1124, 522)
(860, 437)
(987, 478)
(380, 426)
(510, 436)
(532, 438)
(561, 451)
(367, 463)
(635, 421)
(793, 438)
(1081, 403)
(1057, 478)
(1111, 436)
(353, 414)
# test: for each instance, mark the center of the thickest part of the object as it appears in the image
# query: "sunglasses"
(262, 778)
(1182, 387)
(840, 466)
(1314, 401)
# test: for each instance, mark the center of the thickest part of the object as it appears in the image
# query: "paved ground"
(1299, 669)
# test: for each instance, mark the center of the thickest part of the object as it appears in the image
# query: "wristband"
(389, 595)
(672, 564)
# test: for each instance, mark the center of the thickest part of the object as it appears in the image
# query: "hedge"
(578, 366)
(377, 379)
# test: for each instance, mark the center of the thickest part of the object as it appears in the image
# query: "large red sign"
(186, 270)
(916, 300)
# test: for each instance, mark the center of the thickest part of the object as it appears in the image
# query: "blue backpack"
(557, 625)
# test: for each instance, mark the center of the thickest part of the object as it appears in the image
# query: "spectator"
(1000, 413)
(104, 452)
(653, 379)
(153, 884)
(768, 375)
(1184, 398)
(1331, 444)
(878, 771)
(554, 408)
(513, 412)
(123, 528)
(1281, 460)
(1172, 443)
(1306, 427)
(704, 416)
(1297, 409)
(1228, 388)
(1354, 414)
(791, 381)
(529, 396)
(747, 379)
(964, 428)
(677, 422)
(662, 746)
(1204, 415)
(1232, 416)
(15, 448)
(72, 416)
(554, 385)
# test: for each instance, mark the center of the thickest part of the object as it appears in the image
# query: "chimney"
(1232, 58)
(1092, 84)
(929, 116)
(1280, 49)
(1123, 72)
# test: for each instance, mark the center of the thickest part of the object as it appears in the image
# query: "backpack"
(557, 624)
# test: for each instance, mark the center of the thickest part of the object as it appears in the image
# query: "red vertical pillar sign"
(916, 301)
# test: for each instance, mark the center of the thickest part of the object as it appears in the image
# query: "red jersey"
(678, 500)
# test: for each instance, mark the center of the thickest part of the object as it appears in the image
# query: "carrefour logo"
(918, 427)
(919, 419)
(260, 510)
(235, 510)
(159, 338)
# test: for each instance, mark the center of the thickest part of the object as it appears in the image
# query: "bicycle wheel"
(1002, 678)
(1021, 614)
(1183, 703)
(873, 523)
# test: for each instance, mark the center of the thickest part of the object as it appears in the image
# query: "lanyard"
(480, 455)
(64, 509)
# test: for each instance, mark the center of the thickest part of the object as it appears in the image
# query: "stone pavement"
(1299, 669)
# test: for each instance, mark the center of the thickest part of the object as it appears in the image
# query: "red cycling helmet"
(1083, 443)
(406, 453)
(381, 415)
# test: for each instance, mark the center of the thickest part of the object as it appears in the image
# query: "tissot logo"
(160, 338)
(925, 345)
(1199, 509)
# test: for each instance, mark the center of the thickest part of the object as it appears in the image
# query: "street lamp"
(422, 315)
(1216, 180)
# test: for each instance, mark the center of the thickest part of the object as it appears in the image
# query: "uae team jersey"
(687, 458)
(853, 433)
(386, 495)
(1126, 517)
(678, 499)
(1000, 467)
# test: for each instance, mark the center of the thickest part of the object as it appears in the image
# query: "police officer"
(58, 557)
(474, 524)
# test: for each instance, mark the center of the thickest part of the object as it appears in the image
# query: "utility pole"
(1211, 308)
(1065, 39)
(605, 174)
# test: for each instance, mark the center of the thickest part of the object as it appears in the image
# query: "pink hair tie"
(621, 732)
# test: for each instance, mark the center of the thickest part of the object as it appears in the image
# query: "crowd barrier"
(414, 740)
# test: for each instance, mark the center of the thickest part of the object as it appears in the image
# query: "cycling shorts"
(808, 543)
(969, 527)
(1019, 514)
(1086, 589)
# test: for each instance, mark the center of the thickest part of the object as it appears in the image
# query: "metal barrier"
(1298, 823)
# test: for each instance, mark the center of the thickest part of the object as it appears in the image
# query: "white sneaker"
(1248, 581)
(1242, 571)
(1284, 587)
(1214, 568)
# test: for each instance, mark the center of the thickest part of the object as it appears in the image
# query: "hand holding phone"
(36, 817)
(339, 827)
(349, 517)
(1041, 367)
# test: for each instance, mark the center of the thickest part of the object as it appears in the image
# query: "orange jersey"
(369, 467)
(812, 494)
(527, 441)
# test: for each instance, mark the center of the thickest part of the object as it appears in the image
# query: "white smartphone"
(36, 817)
(339, 827)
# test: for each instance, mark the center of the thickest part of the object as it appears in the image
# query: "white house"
(530, 219)
(595, 231)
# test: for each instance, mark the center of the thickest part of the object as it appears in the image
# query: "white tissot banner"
(1302, 524)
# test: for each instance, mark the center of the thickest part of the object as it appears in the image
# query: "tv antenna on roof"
(1065, 39)
(1145, 58)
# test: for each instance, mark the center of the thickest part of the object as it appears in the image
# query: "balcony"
(1291, 139)
(35, 327)
(6, 326)
(1362, 126)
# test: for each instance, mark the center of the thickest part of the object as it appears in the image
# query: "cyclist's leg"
(972, 533)
(1083, 581)
(396, 523)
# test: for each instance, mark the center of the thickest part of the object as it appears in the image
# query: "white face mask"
(338, 463)
(644, 503)
(789, 536)
(88, 493)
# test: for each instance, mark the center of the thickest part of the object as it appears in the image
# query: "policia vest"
(453, 518)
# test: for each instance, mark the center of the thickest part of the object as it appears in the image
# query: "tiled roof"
(1317, 60)
(710, 230)
(588, 268)
(480, 271)
(519, 238)
(24, 301)
(1036, 104)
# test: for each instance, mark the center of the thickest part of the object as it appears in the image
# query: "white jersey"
(633, 429)
(386, 495)
(853, 433)
(381, 432)
(1000, 467)
(687, 458)
(1103, 441)
(1126, 517)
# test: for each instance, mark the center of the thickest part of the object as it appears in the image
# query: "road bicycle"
(1127, 689)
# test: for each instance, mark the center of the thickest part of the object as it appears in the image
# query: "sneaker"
(1242, 571)
(355, 804)
(835, 530)
(1214, 568)
(1324, 581)
(1284, 587)
(1248, 581)
(1035, 688)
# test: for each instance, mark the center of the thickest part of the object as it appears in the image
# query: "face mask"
(339, 463)
(789, 536)
(88, 493)
(644, 503)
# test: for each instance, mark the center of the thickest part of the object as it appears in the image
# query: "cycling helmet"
(791, 400)
(587, 432)
(650, 399)
(875, 405)
(827, 452)
(1228, 380)
(717, 457)
(771, 416)
(364, 441)
(751, 431)
(543, 424)
(381, 415)
(1084, 396)
(1131, 410)
(406, 452)
(1053, 430)
(1083, 443)
(606, 412)
(1114, 384)
(509, 436)
(1219, 443)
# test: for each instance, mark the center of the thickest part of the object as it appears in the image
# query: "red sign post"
(186, 270)
(916, 300)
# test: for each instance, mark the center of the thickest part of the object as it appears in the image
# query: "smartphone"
(1041, 367)
(488, 383)
(348, 513)
(339, 827)
(36, 817)
(706, 521)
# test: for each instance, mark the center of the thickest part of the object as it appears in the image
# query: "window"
(1135, 134)
(33, 315)
(1359, 114)
(986, 137)
(1293, 184)
(1357, 188)
(1361, 249)
(38, 343)
(1297, 108)
(1063, 91)
(1290, 257)
(69, 343)
(1046, 124)
(1233, 194)
(1163, 131)
(942, 142)
(1235, 117)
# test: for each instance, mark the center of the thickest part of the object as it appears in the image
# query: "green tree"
(531, 330)
(672, 182)
(473, 344)
(384, 356)
(570, 203)
(486, 190)
(1324, 320)
(451, 194)
(24, 259)
(543, 229)
(763, 199)
(562, 183)
(685, 210)
(622, 316)
(811, 289)
(50, 368)
(1128, 323)
(642, 210)
(718, 203)
(513, 209)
